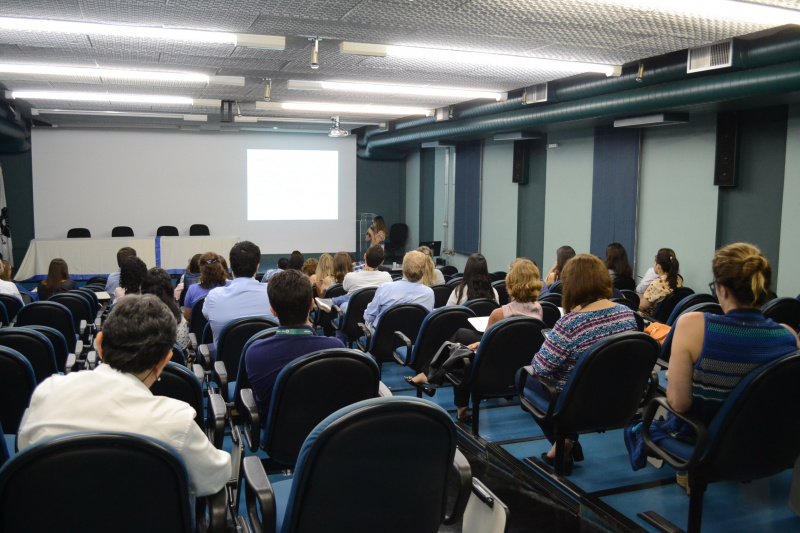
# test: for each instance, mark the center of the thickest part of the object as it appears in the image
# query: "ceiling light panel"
(405, 90)
(101, 97)
(345, 109)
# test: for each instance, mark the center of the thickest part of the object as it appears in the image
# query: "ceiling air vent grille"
(713, 56)
(535, 94)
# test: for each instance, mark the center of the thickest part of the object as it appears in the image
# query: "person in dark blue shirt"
(290, 299)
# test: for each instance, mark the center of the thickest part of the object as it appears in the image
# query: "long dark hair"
(476, 282)
(669, 264)
(57, 274)
(563, 254)
(158, 283)
(617, 260)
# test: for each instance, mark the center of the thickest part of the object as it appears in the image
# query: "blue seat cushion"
(282, 490)
(401, 351)
(231, 391)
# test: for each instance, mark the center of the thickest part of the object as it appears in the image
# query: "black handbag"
(451, 357)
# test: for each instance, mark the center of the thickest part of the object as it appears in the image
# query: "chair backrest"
(197, 322)
(454, 282)
(437, 328)
(482, 306)
(311, 388)
(122, 231)
(233, 337)
(52, 314)
(242, 379)
(624, 283)
(79, 233)
(555, 288)
(608, 383)
(627, 303)
(398, 233)
(57, 341)
(100, 280)
(13, 305)
(127, 472)
(690, 301)
(78, 305)
(633, 296)
(36, 348)
(17, 382)
(502, 292)
(167, 231)
(441, 293)
(553, 298)
(180, 383)
(356, 306)
(705, 307)
(178, 356)
(766, 399)
(90, 295)
(335, 290)
(449, 270)
(499, 275)
(550, 314)
(199, 229)
(505, 347)
(784, 311)
(664, 309)
(4, 320)
(349, 451)
(406, 318)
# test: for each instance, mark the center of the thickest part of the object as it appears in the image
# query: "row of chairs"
(127, 231)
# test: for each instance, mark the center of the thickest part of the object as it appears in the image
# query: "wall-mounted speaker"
(727, 153)
(520, 169)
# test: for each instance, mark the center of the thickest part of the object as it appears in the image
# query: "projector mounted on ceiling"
(336, 131)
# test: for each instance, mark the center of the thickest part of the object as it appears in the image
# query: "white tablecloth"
(98, 256)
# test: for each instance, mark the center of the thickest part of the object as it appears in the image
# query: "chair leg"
(559, 463)
(476, 404)
(696, 504)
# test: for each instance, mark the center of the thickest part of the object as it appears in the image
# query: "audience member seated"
(712, 353)
(212, 275)
(310, 267)
(283, 263)
(112, 282)
(476, 283)
(369, 277)
(438, 276)
(590, 317)
(408, 290)
(342, 265)
(7, 286)
(57, 281)
(244, 296)
(523, 284)
(131, 276)
(617, 261)
(296, 261)
(135, 346)
(563, 254)
(159, 283)
(189, 277)
(323, 278)
(666, 267)
(650, 274)
(290, 298)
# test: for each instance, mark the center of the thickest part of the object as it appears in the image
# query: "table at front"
(98, 256)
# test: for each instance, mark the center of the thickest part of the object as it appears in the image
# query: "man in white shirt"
(135, 346)
(8, 287)
(370, 276)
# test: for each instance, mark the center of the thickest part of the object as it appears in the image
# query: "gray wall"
(531, 205)
(789, 283)
(381, 189)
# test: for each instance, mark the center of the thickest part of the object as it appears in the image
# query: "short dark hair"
(375, 256)
(212, 273)
(290, 295)
(124, 254)
(137, 334)
(296, 261)
(283, 263)
(131, 275)
(245, 258)
(159, 283)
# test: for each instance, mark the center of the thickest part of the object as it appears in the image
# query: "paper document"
(479, 322)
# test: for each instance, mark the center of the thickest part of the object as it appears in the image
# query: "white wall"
(145, 179)
(412, 198)
(789, 281)
(678, 199)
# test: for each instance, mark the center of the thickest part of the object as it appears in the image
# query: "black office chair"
(633, 296)
(83, 316)
(783, 311)
(4, 321)
(499, 275)
(325, 320)
(398, 234)
(604, 390)
(454, 282)
(167, 231)
(389, 460)
(761, 409)
(555, 288)
(36, 348)
(505, 347)
(12, 304)
(502, 292)
(405, 318)
(441, 293)
(79, 233)
(308, 390)
(348, 322)
(181, 384)
(550, 313)
(58, 317)
(553, 298)
(686, 303)
(198, 229)
(122, 231)
(449, 270)
(664, 309)
(705, 307)
(17, 382)
(624, 283)
(64, 359)
(97, 280)
(129, 473)
(197, 322)
(482, 306)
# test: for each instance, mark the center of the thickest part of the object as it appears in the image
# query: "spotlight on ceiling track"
(336, 131)
(268, 89)
(315, 52)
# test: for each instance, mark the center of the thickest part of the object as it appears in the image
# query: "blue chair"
(64, 359)
(664, 309)
(17, 382)
(555, 288)
(56, 316)
(5, 455)
(505, 347)
(784, 311)
(36, 348)
(197, 322)
(389, 460)
(441, 294)
(12, 305)
(763, 408)
(178, 382)
(83, 314)
(178, 356)
(553, 298)
(126, 471)
(603, 392)
(502, 291)
(482, 306)
(348, 322)
(686, 303)
(405, 318)
(705, 307)
(308, 390)
(4, 320)
(550, 313)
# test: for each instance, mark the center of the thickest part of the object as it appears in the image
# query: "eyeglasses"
(713, 287)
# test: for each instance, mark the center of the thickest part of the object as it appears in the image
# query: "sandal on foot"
(430, 391)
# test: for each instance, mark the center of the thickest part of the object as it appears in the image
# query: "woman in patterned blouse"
(667, 268)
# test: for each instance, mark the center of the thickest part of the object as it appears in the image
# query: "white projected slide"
(292, 184)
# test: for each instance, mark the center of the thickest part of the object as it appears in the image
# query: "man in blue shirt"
(244, 296)
(408, 290)
(112, 282)
(290, 300)
(282, 264)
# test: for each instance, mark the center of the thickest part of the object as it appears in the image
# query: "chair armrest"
(78, 347)
(523, 377)
(461, 471)
(219, 375)
(217, 509)
(678, 463)
(407, 342)
(383, 390)
(199, 373)
(204, 355)
(457, 379)
(91, 359)
(193, 340)
(70, 363)
(252, 419)
(215, 422)
(652, 388)
(258, 491)
(339, 323)
(368, 334)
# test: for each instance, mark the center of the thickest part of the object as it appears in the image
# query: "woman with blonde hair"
(435, 277)
(323, 277)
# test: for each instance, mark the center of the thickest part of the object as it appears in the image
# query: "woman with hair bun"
(712, 353)
(666, 267)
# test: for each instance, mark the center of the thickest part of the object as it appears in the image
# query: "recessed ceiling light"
(111, 97)
(345, 108)
(394, 89)
(135, 114)
(56, 70)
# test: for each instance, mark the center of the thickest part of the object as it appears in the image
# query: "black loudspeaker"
(520, 170)
(727, 154)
